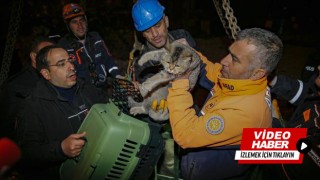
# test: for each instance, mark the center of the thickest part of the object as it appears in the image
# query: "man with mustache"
(93, 61)
(47, 131)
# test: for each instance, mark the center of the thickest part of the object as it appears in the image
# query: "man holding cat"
(239, 99)
(150, 20)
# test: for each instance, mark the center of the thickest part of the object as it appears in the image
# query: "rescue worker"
(93, 61)
(150, 20)
(47, 132)
(152, 23)
(240, 99)
(306, 97)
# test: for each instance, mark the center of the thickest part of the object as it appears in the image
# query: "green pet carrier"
(118, 146)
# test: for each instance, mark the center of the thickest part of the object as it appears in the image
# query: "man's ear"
(45, 73)
(166, 20)
(258, 74)
(33, 58)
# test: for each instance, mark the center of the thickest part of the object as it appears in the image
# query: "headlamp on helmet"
(72, 10)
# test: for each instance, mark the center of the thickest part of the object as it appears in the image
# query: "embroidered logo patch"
(215, 125)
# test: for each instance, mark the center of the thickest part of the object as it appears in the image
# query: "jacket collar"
(45, 90)
(242, 86)
(73, 39)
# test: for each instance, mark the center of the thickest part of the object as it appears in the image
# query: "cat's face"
(178, 62)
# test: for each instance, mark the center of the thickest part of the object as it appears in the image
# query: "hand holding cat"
(161, 106)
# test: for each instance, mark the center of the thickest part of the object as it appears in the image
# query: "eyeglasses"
(62, 62)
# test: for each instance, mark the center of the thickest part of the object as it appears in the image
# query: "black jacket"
(13, 93)
(46, 121)
(306, 115)
(93, 60)
(306, 99)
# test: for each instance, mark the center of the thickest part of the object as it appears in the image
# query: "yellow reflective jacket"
(235, 104)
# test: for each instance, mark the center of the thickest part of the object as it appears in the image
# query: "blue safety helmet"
(146, 13)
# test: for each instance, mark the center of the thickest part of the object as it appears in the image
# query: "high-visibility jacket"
(235, 104)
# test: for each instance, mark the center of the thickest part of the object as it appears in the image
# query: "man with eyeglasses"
(47, 131)
(17, 87)
(93, 61)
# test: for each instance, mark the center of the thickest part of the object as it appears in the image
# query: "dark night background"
(296, 22)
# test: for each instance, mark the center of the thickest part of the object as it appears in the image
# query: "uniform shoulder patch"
(215, 125)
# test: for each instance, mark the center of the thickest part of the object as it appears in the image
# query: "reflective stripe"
(315, 119)
(294, 99)
(113, 68)
(104, 69)
(98, 42)
(70, 50)
(201, 113)
(78, 113)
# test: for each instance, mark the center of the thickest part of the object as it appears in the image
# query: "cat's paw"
(137, 110)
(159, 115)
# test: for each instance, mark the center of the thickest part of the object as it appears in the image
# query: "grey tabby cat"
(176, 59)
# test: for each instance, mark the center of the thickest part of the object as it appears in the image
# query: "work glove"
(162, 106)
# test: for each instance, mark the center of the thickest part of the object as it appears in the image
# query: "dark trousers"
(213, 164)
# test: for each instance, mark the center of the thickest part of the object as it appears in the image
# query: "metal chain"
(14, 23)
(218, 6)
(230, 17)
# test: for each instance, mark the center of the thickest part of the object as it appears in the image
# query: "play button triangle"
(303, 146)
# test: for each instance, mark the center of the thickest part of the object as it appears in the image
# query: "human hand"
(159, 107)
(159, 112)
(73, 144)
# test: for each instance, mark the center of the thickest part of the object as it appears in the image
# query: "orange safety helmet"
(72, 10)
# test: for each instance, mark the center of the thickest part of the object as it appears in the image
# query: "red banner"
(271, 146)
